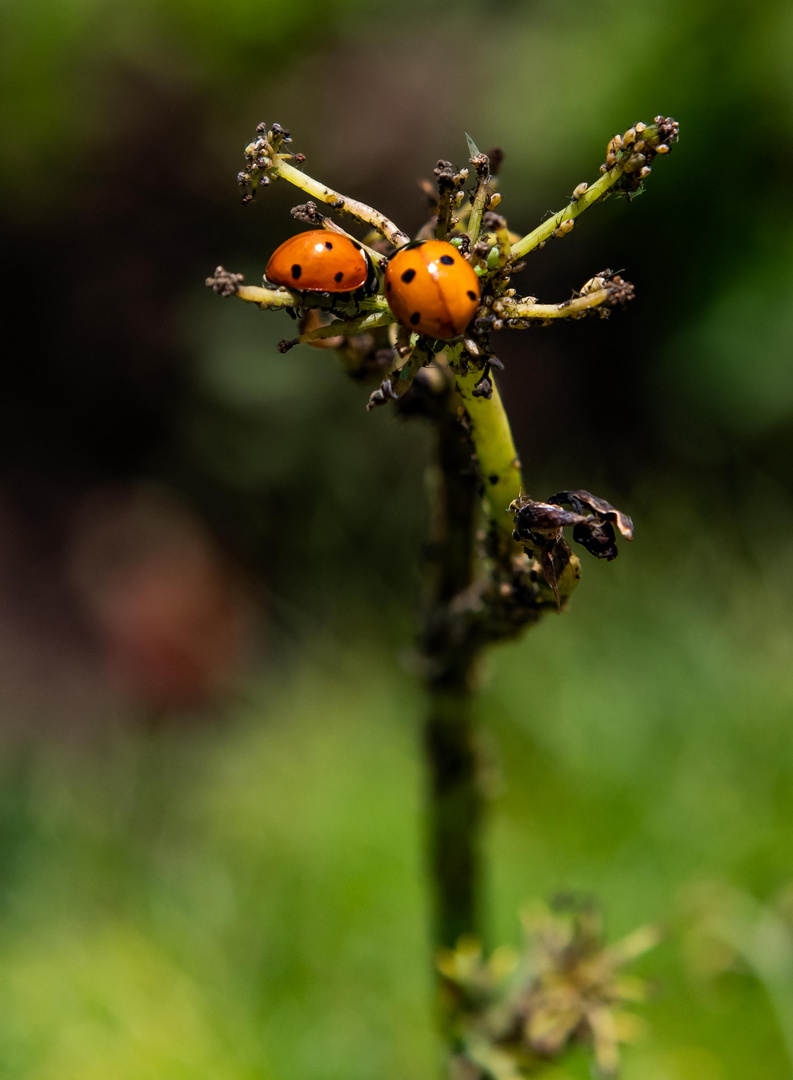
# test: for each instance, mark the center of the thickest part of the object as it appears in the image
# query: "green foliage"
(246, 901)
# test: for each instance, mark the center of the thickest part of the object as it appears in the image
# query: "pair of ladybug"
(429, 285)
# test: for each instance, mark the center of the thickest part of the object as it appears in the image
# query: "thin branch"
(264, 163)
(367, 215)
(628, 159)
(450, 187)
(269, 299)
(398, 382)
(481, 197)
(566, 310)
(455, 788)
(498, 461)
(345, 327)
(598, 296)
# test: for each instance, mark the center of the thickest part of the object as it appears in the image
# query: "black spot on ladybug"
(408, 276)
(328, 245)
(414, 318)
(471, 295)
(388, 286)
(447, 260)
(296, 271)
(494, 478)
(339, 276)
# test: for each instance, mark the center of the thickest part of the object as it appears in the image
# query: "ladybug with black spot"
(319, 261)
(432, 289)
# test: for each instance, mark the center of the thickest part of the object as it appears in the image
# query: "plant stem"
(454, 795)
(498, 461)
(346, 327)
(268, 298)
(653, 138)
(480, 198)
(367, 215)
(451, 645)
(577, 206)
(521, 309)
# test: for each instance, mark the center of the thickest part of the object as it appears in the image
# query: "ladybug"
(431, 288)
(321, 261)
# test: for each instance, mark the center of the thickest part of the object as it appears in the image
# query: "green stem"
(269, 298)
(346, 327)
(649, 139)
(498, 461)
(480, 201)
(523, 309)
(454, 795)
(367, 215)
(577, 206)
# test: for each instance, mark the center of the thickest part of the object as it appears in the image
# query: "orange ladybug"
(322, 261)
(431, 288)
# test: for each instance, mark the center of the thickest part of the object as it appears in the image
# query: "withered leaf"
(540, 524)
(582, 501)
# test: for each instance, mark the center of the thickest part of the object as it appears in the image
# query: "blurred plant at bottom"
(515, 1014)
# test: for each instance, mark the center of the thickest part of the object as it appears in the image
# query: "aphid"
(322, 261)
(432, 289)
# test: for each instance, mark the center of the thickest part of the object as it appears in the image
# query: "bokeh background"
(210, 786)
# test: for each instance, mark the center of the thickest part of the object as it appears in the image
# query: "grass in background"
(245, 900)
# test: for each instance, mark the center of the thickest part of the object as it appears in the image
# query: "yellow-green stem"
(575, 207)
(367, 215)
(522, 310)
(478, 208)
(346, 327)
(268, 298)
(498, 459)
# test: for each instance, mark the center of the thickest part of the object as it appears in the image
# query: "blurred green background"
(211, 797)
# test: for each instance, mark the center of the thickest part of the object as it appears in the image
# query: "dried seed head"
(223, 282)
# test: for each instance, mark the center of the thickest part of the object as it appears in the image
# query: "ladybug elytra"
(321, 261)
(432, 289)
